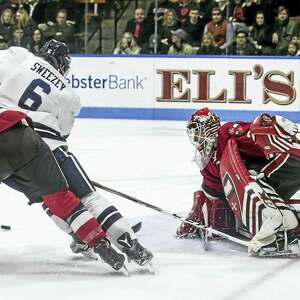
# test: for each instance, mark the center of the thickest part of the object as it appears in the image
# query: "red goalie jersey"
(240, 132)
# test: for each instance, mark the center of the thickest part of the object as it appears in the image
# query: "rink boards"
(171, 87)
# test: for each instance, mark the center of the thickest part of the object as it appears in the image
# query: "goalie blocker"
(260, 209)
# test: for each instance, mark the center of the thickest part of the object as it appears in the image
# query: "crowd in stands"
(207, 27)
(31, 23)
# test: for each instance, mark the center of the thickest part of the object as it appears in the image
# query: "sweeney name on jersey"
(48, 75)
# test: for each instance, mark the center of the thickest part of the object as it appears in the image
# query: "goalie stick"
(174, 215)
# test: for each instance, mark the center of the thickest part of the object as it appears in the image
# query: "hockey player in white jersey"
(38, 85)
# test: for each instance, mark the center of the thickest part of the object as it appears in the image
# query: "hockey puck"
(5, 227)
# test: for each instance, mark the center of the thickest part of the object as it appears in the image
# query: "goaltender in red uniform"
(250, 171)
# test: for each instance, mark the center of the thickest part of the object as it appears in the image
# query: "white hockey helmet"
(202, 129)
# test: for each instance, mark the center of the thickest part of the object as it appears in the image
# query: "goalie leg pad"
(295, 204)
(261, 213)
(289, 218)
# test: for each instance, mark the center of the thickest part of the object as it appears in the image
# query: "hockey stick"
(174, 215)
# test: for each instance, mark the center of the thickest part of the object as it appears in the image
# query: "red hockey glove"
(196, 214)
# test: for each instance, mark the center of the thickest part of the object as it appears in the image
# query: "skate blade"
(124, 271)
(150, 268)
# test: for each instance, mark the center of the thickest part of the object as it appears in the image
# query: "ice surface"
(149, 160)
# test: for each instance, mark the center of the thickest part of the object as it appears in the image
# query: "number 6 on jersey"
(30, 99)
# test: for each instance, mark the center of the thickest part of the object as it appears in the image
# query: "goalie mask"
(202, 130)
(56, 54)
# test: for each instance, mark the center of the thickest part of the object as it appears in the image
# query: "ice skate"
(79, 247)
(284, 246)
(140, 255)
(111, 256)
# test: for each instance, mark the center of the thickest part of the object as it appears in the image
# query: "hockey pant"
(27, 160)
(106, 214)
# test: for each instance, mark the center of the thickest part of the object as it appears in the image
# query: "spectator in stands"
(18, 39)
(127, 45)
(140, 27)
(4, 4)
(7, 24)
(3, 44)
(37, 41)
(169, 23)
(218, 27)
(149, 48)
(241, 46)
(261, 35)
(62, 30)
(284, 29)
(184, 10)
(194, 27)
(236, 11)
(163, 5)
(223, 4)
(46, 10)
(293, 49)
(268, 7)
(250, 8)
(205, 8)
(296, 39)
(24, 21)
(208, 46)
(179, 44)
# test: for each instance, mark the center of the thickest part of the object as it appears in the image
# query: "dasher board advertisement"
(171, 87)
